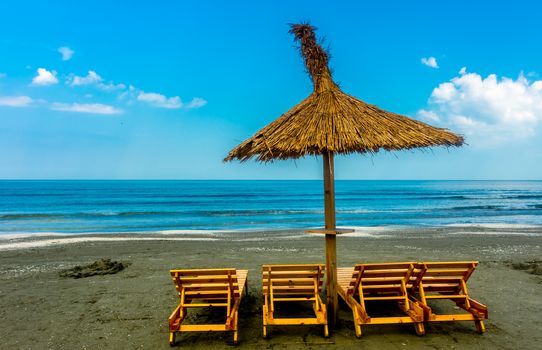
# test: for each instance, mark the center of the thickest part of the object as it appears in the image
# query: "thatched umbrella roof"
(329, 120)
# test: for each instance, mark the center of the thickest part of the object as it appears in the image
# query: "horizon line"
(128, 179)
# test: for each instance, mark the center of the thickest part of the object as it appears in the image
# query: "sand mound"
(99, 267)
(533, 267)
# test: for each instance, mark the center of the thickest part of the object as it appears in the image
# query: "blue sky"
(164, 89)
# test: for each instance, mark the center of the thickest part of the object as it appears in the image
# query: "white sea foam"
(495, 233)
(189, 232)
(495, 226)
(40, 243)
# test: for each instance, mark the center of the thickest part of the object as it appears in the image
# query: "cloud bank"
(91, 78)
(94, 108)
(15, 101)
(489, 110)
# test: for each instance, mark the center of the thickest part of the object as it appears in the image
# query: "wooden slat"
(452, 317)
(202, 327)
(295, 299)
(291, 291)
(384, 273)
(451, 286)
(447, 296)
(440, 280)
(196, 288)
(382, 286)
(386, 298)
(446, 265)
(205, 292)
(290, 283)
(293, 321)
(194, 305)
(390, 320)
(292, 274)
(445, 272)
(198, 272)
(293, 267)
(385, 266)
(208, 279)
(364, 282)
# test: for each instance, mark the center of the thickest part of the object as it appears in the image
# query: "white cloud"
(487, 110)
(111, 86)
(15, 101)
(430, 62)
(93, 108)
(463, 70)
(428, 115)
(159, 100)
(196, 102)
(66, 53)
(45, 77)
(91, 78)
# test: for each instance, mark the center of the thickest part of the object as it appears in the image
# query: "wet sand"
(128, 310)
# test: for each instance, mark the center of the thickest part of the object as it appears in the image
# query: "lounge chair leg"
(171, 338)
(357, 327)
(236, 332)
(265, 321)
(326, 331)
(420, 328)
(480, 327)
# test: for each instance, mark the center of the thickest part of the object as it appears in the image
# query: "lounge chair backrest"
(206, 284)
(293, 279)
(443, 277)
(380, 277)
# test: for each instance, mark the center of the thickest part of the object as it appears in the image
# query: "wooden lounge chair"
(203, 288)
(293, 283)
(447, 280)
(379, 282)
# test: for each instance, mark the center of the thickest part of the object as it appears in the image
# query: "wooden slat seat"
(447, 280)
(293, 283)
(379, 282)
(204, 288)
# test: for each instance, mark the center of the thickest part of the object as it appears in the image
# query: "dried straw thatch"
(331, 121)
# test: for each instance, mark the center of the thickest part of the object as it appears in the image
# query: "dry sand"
(128, 310)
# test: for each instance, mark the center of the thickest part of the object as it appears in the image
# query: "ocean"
(76, 207)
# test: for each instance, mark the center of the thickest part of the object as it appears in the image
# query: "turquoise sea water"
(153, 206)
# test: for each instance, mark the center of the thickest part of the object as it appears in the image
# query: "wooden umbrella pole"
(331, 244)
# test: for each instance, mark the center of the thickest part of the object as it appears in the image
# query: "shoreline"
(26, 240)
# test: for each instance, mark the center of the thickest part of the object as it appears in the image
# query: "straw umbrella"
(330, 122)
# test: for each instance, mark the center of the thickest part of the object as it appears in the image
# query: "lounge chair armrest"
(479, 308)
(174, 319)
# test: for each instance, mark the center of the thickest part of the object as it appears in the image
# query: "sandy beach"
(41, 310)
